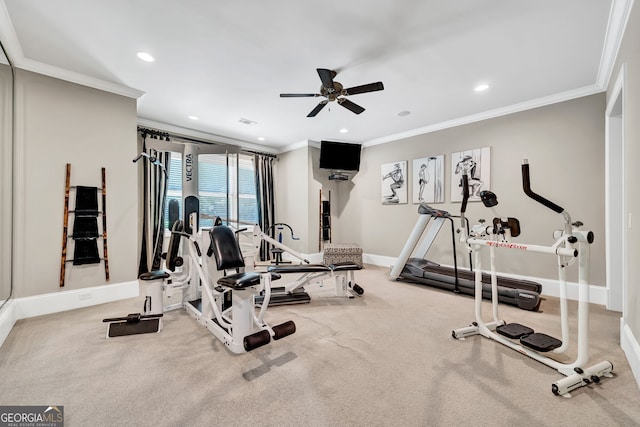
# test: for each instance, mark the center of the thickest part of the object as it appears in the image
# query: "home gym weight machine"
(571, 244)
(227, 310)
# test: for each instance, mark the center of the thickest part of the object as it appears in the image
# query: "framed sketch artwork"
(477, 165)
(428, 179)
(394, 185)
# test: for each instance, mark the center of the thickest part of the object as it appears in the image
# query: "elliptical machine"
(571, 244)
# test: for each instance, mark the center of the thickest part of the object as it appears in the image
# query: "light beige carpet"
(387, 359)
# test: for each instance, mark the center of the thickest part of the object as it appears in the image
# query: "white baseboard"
(7, 320)
(550, 287)
(631, 349)
(38, 305)
(379, 260)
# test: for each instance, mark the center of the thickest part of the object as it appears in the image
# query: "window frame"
(234, 164)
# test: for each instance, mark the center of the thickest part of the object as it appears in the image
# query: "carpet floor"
(385, 359)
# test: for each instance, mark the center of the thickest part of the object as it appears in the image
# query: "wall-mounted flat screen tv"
(340, 156)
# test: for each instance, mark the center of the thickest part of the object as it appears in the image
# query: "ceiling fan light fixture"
(334, 91)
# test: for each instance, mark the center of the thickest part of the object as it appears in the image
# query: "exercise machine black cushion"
(225, 248)
(227, 253)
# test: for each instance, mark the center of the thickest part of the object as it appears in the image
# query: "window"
(174, 188)
(226, 187)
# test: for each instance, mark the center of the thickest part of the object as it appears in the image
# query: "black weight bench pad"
(343, 266)
(240, 280)
(226, 251)
(302, 268)
(154, 275)
(243, 280)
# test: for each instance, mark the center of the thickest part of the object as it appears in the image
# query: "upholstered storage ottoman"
(342, 252)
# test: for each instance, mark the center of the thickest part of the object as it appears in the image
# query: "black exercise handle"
(133, 316)
(284, 225)
(526, 186)
(465, 192)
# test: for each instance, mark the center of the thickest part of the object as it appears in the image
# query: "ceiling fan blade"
(317, 109)
(327, 77)
(350, 105)
(371, 87)
(297, 95)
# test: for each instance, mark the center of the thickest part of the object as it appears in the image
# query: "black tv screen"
(339, 156)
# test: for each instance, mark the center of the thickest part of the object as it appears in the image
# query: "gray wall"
(628, 55)
(298, 185)
(564, 143)
(57, 123)
(6, 155)
(294, 201)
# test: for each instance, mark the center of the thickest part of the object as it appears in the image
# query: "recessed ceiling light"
(145, 57)
(343, 130)
(193, 117)
(481, 87)
(260, 138)
(403, 113)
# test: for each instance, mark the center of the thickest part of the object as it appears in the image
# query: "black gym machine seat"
(226, 251)
(228, 256)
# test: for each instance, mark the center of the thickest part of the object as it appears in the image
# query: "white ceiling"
(223, 61)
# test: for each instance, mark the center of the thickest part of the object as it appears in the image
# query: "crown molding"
(73, 77)
(204, 136)
(498, 112)
(16, 55)
(295, 146)
(618, 18)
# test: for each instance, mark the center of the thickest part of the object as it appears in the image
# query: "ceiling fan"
(334, 91)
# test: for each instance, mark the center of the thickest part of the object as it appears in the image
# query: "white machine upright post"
(259, 236)
(415, 235)
(433, 231)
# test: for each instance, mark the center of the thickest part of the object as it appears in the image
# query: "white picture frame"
(428, 179)
(394, 183)
(477, 162)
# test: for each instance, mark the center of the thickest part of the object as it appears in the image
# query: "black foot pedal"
(256, 340)
(283, 330)
(540, 342)
(133, 324)
(514, 331)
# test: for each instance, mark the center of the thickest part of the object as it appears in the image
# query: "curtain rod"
(261, 153)
(154, 133)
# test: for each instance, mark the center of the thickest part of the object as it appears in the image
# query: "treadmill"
(524, 294)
